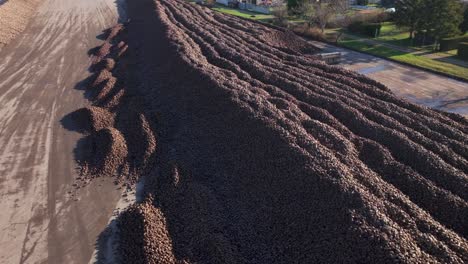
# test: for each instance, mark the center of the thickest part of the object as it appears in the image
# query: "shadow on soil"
(103, 245)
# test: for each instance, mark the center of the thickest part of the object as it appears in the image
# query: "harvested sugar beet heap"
(267, 155)
(114, 146)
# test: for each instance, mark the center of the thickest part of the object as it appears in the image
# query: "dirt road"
(39, 72)
(415, 85)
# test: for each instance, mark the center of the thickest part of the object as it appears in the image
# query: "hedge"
(463, 50)
(368, 29)
(422, 38)
(451, 43)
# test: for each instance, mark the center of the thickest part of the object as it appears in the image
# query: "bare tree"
(320, 12)
(342, 22)
(280, 12)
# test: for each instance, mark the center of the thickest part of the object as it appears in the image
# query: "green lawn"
(391, 34)
(242, 13)
(296, 19)
(420, 61)
(452, 52)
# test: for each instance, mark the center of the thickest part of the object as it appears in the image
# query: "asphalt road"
(415, 85)
(39, 71)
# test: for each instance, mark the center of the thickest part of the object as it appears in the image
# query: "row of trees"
(435, 19)
(464, 24)
(319, 14)
(438, 18)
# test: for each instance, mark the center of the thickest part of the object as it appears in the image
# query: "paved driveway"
(416, 85)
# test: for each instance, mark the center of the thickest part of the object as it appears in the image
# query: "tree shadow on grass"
(455, 60)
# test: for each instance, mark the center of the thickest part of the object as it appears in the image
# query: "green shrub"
(423, 38)
(451, 43)
(355, 26)
(388, 3)
(372, 29)
(463, 50)
(368, 29)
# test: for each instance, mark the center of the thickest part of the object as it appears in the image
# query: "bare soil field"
(254, 151)
(40, 221)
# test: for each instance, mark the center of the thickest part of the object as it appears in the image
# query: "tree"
(388, 3)
(441, 18)
(280, 13)
(408, 14)
(342, 22)
(321, 12)
(363, 2)
(210, 2)
(293, 4)
(438, 18)
(464, 24)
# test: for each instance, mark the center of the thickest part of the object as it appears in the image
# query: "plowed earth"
(267, 155)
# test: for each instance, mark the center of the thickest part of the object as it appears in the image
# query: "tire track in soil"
(39, 70)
